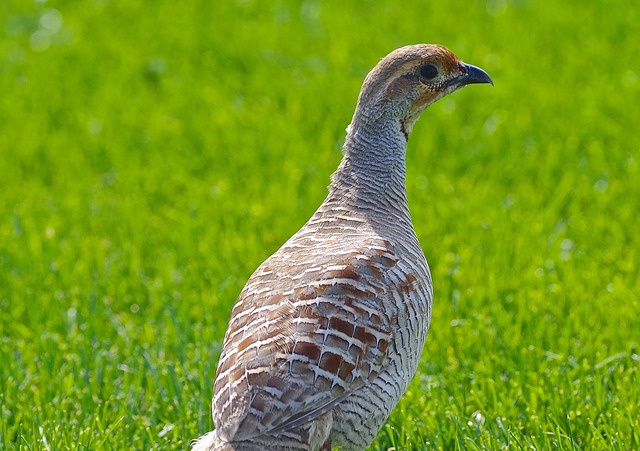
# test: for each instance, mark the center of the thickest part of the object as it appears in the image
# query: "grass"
(152, 154)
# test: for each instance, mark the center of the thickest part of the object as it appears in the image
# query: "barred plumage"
(328, 331)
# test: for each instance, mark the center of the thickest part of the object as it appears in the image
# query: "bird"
(327, 333)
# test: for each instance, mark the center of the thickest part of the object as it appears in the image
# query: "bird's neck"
(373, 168)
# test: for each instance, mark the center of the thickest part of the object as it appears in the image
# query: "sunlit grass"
(152, 154)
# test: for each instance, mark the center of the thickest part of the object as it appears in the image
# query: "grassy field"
(152, 154)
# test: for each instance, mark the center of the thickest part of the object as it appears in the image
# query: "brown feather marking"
(244, 344)
(383, 345)
(331, 362)
(364, 336)
(342, 326)
(307, 349)
(346, 371)
(409, 284)
(348, 272)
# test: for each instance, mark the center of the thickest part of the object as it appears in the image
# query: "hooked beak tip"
(473, 74)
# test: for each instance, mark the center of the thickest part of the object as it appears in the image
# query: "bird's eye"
(428, 72)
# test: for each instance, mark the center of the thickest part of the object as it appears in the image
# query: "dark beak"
(471, 74)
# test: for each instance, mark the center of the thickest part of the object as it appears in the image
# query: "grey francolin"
(328, 331)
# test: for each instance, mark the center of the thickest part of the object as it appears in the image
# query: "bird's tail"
(210, 442)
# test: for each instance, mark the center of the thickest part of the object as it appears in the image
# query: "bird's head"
(408, 80)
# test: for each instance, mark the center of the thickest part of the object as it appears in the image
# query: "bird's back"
(344, 301)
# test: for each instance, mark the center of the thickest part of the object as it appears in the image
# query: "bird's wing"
(291, 355)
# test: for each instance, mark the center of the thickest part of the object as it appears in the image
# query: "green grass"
(152, 154)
